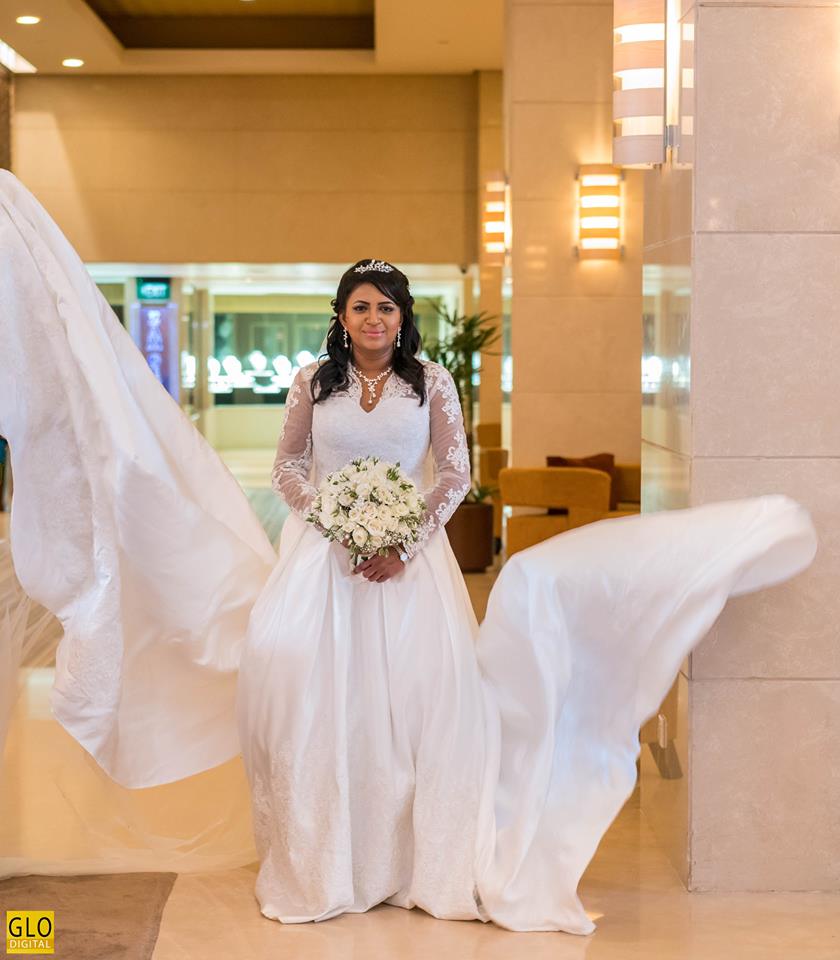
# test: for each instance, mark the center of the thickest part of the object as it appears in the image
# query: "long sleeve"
(290, 473)
(449, 448)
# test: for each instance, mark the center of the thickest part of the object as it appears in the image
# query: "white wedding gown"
(361, 705)
(396, 751)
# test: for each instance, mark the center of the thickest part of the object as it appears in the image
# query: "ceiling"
(225, 8)
(257, 36)
(227, 24)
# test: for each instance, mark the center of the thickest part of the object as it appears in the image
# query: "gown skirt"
(362, 719)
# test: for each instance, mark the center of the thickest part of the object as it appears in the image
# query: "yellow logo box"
(30, 931)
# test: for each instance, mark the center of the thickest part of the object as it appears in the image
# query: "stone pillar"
(490, 161)
(575, 324)
(6, 94)
(741, 260)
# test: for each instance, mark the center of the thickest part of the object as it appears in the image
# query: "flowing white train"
(470, 770)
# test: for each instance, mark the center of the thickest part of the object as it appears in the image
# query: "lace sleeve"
(290, 473)
(449, 448)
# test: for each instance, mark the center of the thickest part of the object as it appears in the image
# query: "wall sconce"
(639, 82)
(599, 212)
(495, 219)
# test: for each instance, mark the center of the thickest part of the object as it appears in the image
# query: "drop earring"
(346, 343)
(399, 331)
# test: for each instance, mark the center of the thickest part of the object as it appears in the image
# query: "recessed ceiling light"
(28, 20)
(72, 62)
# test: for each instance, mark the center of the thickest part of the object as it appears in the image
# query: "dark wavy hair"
(332, 374)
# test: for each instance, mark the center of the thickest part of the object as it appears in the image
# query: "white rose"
(345, 498)
(363, 489)
(360, 536)
(376, 528)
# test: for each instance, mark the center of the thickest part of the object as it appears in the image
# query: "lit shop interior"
(227, 339)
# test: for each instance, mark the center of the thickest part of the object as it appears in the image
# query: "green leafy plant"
(468, 336)
(479, 493)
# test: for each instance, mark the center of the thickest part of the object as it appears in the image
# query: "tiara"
(374, 265)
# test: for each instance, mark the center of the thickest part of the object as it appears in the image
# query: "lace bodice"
(428, 441)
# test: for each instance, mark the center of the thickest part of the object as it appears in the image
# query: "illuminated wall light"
(508, 224)
(599, 212)
(639, 82)
(28, 21)
(495, 220)
(72, 62)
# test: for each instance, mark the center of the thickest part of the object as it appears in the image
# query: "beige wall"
(575, 325)
(254, 169)
(762, 692)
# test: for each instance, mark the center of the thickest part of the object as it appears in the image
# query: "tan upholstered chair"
(584, 493)
(628, 479)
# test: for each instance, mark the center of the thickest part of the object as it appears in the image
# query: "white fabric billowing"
(125, 524)
(583, 637)
(395, 751)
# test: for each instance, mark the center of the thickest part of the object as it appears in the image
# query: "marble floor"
(630, 890)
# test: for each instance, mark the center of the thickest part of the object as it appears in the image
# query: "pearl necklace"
(371, 382)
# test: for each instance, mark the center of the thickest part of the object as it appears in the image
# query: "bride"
(396, 751)
(360, 703)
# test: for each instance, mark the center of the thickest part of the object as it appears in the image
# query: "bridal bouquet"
(371, 503)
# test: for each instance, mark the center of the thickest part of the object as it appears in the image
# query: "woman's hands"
(379, 568)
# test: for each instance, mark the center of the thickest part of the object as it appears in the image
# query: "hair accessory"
(374, 265)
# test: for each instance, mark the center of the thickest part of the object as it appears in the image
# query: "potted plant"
(470, 528)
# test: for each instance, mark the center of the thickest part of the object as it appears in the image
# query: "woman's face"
(371, 320)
